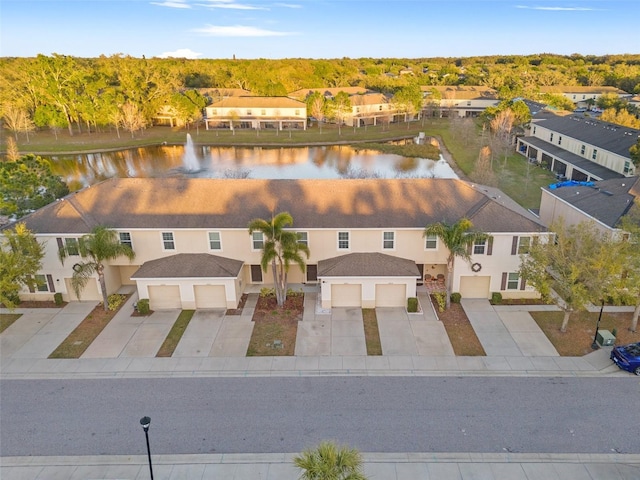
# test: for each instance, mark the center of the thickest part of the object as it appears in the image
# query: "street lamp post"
(594, 345)
(145, 422)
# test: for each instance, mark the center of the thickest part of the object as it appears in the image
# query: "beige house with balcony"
(457, 100)
(584, 96)
(193, 249)
(246, 112)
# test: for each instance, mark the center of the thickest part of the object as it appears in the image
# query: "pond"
(242, 162)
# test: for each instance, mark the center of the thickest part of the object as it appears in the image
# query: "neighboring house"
(583, 97)
(604, 203)
(579, 148)
(258, 113)
(635, 101)
(457, 101)
(331, 92)
(370, 109)
(193, 249)
(167, 116)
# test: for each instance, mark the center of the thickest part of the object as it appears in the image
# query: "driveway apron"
(347, 332)
(490, 330)
(200, 334)
(396, 334)
(526, 333)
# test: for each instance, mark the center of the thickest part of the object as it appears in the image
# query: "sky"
(249, 29)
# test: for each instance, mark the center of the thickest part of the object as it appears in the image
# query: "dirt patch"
(461, 334)
(371, 332)
(275, 329)
(577, 340)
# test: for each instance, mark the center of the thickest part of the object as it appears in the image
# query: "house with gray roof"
(579, 148)
(193, 248)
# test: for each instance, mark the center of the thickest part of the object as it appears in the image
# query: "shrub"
(412, 304)
(456, 297)
(496, 298)
(293, 293)
(115, 300)
(57, 298)
(143, 306)
(267, 292)
(441, 298)
(614, 331)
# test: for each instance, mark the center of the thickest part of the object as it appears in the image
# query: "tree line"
(109, 92)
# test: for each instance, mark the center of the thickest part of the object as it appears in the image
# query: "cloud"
(239, 31)
(558, 9)
(180, 53)
(230, 4)
(172, 4)
(287, 5)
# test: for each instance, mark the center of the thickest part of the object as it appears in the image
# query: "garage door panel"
(346, 295)
(210, 296)
(475, 287)
(391, 295)
(162, 297)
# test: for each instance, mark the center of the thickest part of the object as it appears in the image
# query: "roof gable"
(367, 265)
(190, 265)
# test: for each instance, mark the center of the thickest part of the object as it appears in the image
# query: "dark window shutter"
(31, 289)
(60, 244)
(514, 246)
(490, 246)
(523, 283)
(52, 287)
(503, 285)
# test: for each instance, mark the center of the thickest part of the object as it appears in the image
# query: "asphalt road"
(284, 414)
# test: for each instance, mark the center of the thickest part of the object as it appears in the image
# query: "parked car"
(627, 357)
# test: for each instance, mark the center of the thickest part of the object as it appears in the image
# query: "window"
(125, 239)
(297, 112)
(380, 108)
(257, 239)
(42, 283)
(584, 96)
(524, 243)
(534, 130)
(551, 138)
(469, 103)
(627, 167)
(431, 241)
(71, 245)
(560, 140)
(357, 109)
(214, 241)
(167, 241)
(303, 238)
(582, 150)
(214, 111)
(263, 112)
(512, 281)
(388, 240)
(343, 240)
(479, 247)
(248, 111)
(594, 155)
(574, 97)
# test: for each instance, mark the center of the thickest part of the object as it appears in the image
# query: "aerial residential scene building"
(319, 240)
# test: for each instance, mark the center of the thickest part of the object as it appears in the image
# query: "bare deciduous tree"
(483, 172)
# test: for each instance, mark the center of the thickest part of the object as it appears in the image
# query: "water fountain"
(190, 162)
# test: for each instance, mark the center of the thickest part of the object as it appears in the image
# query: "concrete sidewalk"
(378, 466)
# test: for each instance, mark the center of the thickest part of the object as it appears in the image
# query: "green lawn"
(7, 319)
(175, 334)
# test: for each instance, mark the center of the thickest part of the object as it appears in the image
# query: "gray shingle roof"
(608, 201)
(604, 135)
(190, 265)
(367, 265)
(176, 203)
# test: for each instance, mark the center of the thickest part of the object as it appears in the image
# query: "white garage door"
(164, 296)
(89, 292)
(343, 295)
(210, 296)
(475, 287)
(391, 295)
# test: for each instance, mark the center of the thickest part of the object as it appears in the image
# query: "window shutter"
(470, 248)
(523, 283)
(31, 289)
(60, 244)
(503, 285)
(514, 246)
(52, 287)
(490, 246)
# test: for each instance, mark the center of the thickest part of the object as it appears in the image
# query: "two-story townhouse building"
(257, 112)
(193, 249)
(579, 148)
(583, 96)
(604, 203)
(328, 93)
(371, 109)
(457, 100)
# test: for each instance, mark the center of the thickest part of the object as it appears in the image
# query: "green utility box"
(605, 338)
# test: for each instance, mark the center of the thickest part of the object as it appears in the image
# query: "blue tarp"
(571, 183)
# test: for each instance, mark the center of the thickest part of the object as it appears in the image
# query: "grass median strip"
(371, 332)
(7, 319)
(175, 334)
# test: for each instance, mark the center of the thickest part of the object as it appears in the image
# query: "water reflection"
(258, 162)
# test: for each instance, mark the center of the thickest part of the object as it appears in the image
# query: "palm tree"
(95, 248)
(280, 248)
(330, 462)
(459, 240)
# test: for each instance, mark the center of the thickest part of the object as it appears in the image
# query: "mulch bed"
(238, 311)
(39, 304)
(461, 334)
(274, 323)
